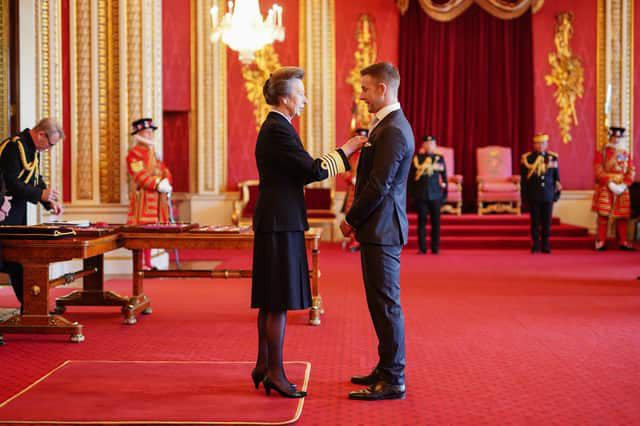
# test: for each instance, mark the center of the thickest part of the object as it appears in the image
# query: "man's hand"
(164, 186)
(50, 195)
(352, 145)
(6, 206)
(56, 209)
(346, 229)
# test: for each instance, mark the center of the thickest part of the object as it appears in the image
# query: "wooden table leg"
(36, 317)
(138, 302)
(92, 293)
(316, 299)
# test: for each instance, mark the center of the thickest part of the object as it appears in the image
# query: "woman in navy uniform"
(280, 270)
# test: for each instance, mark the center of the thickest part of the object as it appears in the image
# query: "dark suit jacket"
(429, 187)
(11, 167)
(540, 188)
(379, 211)
(284, 168)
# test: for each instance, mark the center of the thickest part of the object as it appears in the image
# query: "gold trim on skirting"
(295, 418)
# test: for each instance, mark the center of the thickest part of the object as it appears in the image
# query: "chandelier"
(243, 29)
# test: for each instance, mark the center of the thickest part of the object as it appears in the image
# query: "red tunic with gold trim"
(146, 204)
(612, 165)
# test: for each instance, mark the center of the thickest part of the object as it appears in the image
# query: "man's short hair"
(279, 84)
(50, 126)
(385, 73)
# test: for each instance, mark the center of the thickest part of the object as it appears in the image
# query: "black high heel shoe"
(268, 385)
(257, 377)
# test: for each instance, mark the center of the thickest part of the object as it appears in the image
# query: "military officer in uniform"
(540, 188)
(614, 172)
(430, 191)
(150, 188)
(20, 168)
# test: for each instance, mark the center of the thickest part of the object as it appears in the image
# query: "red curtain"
(468, 82)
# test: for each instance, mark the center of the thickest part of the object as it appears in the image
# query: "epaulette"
(30, 169)
(553, 153)
(524, 156)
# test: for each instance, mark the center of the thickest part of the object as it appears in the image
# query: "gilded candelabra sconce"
(567, 74)
(255, 75)
(365, 55)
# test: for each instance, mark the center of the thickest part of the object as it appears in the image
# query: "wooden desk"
(136, 242)
(35, 257)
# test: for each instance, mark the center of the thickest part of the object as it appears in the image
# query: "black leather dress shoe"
(535, 249)
(379, 391)
(546, 250)
(627, 247)
(368, 380)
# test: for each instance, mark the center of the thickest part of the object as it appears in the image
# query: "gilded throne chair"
(244, 208)
(453, 203)
(498, 187)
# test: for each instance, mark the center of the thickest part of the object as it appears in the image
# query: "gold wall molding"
(255, 75)
(366, 54)
(567, 74)
(211, 110)
(4, 69)
(615, 68)
(318, 56)
(48, 40)
(84, 89)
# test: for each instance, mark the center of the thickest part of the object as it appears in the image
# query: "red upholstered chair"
(454, 184)
(319, 202)
(243, 209)
(497, 186)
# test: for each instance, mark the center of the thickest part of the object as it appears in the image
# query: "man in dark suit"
(540, 188)
(429, 191)
(20, 168)
(379, 219)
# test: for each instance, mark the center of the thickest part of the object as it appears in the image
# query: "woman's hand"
(6, 206)
(354, 144)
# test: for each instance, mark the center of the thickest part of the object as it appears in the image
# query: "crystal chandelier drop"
(243, 29)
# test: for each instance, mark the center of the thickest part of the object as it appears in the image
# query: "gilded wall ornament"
(567, 74)
(365, 55)
(255, 75)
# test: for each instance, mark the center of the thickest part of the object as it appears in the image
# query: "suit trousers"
(432, 208)
(381, 274)
(541, 213)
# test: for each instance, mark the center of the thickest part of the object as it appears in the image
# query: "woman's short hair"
(279, 84)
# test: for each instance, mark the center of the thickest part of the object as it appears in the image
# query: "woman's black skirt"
(280, 272)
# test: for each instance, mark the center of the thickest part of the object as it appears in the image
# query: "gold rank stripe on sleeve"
(332, 162)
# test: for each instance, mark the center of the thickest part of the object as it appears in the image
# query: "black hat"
(428, 138)
(617, 131)
(142, 124)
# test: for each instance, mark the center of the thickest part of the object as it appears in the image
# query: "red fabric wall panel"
(576, 157)
(66, 105)
(176, 89)
(636, 87)
(386, 19)
(241, 122)
(175, 126)
(176, 55)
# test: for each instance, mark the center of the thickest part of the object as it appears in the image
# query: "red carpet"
(493, 337)
(153, 392)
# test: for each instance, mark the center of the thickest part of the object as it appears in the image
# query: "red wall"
(636, 87)
(241, 123)
(176, 89)
(386, 20)
(576, 157)
(66, 104)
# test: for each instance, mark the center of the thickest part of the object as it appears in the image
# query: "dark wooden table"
(35, 257)
(136, 242)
